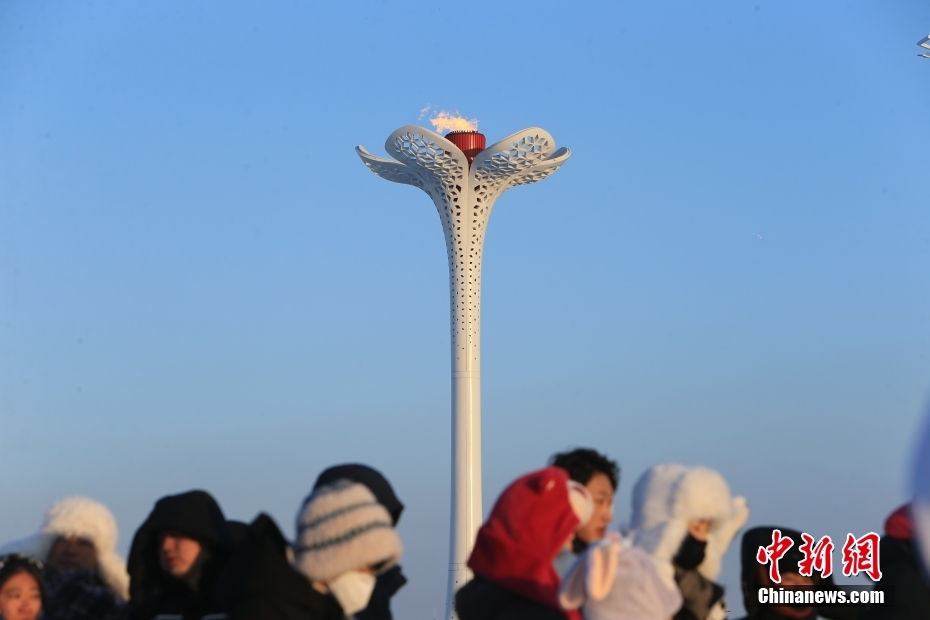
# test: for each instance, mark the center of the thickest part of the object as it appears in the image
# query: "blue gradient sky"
(202, 286)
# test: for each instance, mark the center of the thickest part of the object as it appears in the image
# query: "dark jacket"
(79, 595)
(481, 599)
(699, 594)
(260, 584)
(151, 590)
(379, 607)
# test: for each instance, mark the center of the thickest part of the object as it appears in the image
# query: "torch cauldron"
(464, 179)
(470, 142)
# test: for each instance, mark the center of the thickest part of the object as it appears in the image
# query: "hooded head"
(194, 514)
(528, 526)
(752, 578)
(667, 498)
(371, 478)
(80, 517)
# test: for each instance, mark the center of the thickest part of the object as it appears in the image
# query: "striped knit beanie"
(342, 527)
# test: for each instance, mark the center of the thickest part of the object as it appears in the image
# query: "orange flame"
(453, 121)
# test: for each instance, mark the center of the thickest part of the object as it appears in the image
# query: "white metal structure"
(464, 198)
(924, 43)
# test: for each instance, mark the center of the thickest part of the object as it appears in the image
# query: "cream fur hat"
(342, 527)
(670, 495)
(85, 518)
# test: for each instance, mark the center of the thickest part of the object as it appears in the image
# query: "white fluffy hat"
(670, 495)
(342, 527)
(83, 518)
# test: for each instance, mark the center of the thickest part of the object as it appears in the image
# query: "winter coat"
(901, 573)
(387, 585)
(259, 582)
(610, 582)
(194, 514)
(481, 599)
(515, 549)
(389, 582)
(665, 499)
(79, 595)
(701, 597)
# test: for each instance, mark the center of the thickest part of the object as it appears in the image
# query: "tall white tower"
(464, 180)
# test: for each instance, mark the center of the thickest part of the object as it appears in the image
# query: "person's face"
(20, 598)
(177, 553)
(699, 529)
(787, 579)
(603, 495)
(72, 553)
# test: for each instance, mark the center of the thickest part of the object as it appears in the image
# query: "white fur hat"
(84, 518)
(670, 495)
(342, 527)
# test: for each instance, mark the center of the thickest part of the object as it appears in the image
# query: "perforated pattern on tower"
(432, 163)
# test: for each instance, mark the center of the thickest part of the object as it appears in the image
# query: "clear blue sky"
(202, 286)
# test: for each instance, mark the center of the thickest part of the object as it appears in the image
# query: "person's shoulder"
(529, 610)
(482, 599)
(259, 608)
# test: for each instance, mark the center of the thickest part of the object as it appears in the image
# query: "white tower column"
(464, 196)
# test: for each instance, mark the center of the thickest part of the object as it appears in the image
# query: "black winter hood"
(194, 514)
(749, 565)
(259, 582)
(371, 478)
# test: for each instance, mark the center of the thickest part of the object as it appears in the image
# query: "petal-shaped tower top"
(429, 161)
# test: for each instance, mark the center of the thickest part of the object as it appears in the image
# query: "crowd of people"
(544, 553)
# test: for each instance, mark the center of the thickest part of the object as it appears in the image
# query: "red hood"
(899, 523)
(529, 525)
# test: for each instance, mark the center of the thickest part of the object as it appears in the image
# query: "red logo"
(860, 555)
(819, 556)
(773, 553)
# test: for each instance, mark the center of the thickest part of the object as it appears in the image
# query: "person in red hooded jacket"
(534, 518)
